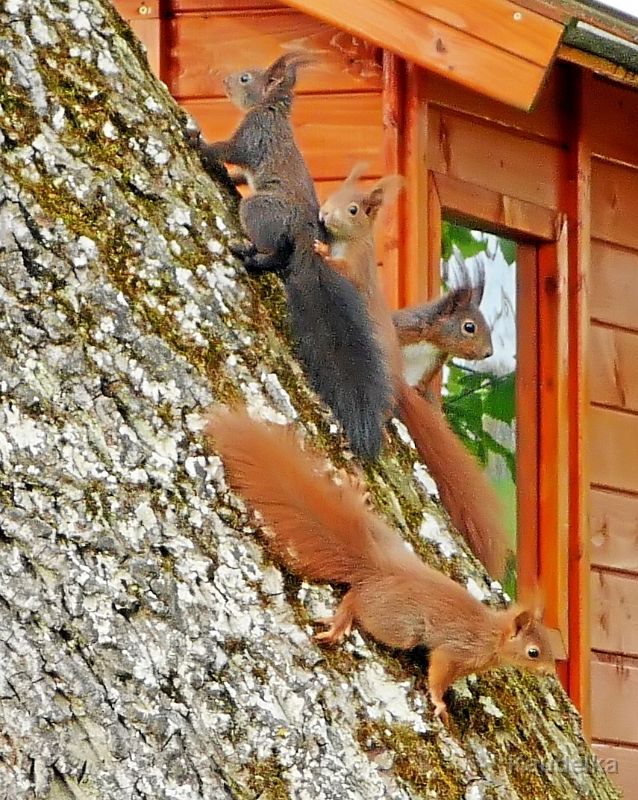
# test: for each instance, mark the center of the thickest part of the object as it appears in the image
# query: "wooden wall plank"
(138, 9)
(613, 520)
(613, 448)
(614, 613)
(501, 23)
(435, 46)
(614, 285)
(614, 203)
(545, 121)
(199, 6)
(621, 766)
(204, 49)
(148, 31)
(614, 689)
(613, 367)
(614, 102)
(333, 131)
(479, 207)
(491, 157)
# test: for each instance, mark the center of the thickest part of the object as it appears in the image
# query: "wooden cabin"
(519, 117)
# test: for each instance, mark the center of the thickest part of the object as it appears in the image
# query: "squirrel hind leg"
(340, 624)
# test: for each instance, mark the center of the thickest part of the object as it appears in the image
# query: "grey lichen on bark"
(148, 647)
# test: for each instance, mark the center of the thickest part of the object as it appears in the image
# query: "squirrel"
(325, 532)
(330, 324)
(349, 216)
(431, 333)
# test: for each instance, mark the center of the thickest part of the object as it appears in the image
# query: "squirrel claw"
(242, 250)
(335, 632)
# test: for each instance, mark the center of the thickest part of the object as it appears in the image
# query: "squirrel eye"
(533, 652)
(469, 327)
(244, 77)
(353, 209)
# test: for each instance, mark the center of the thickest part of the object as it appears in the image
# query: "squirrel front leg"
(341, 623)
(341, 265)
(442, 673)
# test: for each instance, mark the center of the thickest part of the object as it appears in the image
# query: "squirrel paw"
(321, 248)
(440, 710)
(242, 250)
(335, 633)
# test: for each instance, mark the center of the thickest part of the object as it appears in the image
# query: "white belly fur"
(418, 359)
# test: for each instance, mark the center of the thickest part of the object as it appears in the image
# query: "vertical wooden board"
(204, 49)
(613, 449)
(613, 367)
(613, 520)
(138, 9)
(614, 203)
(527, 411)
(614, 689)
(614, 613)
(333, 131)
(613, 120)
(621, 766)
(489, 156)
(389, 240)
(614, 285)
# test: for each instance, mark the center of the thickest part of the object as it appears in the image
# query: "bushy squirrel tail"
(465, 491)
(320, 530)
(336, 343)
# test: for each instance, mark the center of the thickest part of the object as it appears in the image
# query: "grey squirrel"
(349, 215)
(325, 532)
(330, 325)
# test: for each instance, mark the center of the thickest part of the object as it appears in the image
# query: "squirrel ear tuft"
(283, 71)
(381, 193)
(357, 171)
(521, 620)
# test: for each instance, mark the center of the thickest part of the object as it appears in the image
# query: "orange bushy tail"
(320, 530)
(465, 492)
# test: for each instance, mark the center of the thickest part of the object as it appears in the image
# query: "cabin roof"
(500, 48)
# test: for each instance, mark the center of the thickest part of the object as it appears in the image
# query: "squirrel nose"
(488, 352)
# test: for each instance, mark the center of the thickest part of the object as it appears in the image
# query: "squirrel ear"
(457, 299)
(359, 169)
(382, 192)
(283, 71)
(522, 619)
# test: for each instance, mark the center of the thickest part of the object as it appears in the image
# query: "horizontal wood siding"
(613, 425)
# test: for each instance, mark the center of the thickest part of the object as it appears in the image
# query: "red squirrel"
(326, 532)
(330, 324)
(431, 333)
(349, 216)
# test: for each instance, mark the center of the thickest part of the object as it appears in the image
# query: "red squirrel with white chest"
(325, 532)
(349, 216)
(330, 324)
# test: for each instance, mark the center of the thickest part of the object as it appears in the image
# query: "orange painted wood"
(553, 431)
(613, 520)
(527, 418)
(614, 687)
(333, 131)
(494, 158)
(181, 6)
(138, 9)
(417, 241)
(435, 46)
(620, 764)
(612, 102)
(390, 237)
(148, 31)
(614, 203)
(614, 285)
(498, 22)
(576, 199)
(545, 121)
(475, 206)
(204, 49)
(613, 448)
(613, 367)
(614, 613)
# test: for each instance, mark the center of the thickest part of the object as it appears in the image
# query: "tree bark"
(148, 647)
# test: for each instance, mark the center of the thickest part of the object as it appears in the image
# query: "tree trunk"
(148, 648)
